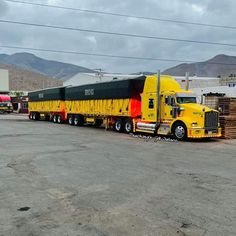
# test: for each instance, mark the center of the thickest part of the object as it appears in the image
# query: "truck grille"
(211, 120)
(3, 104)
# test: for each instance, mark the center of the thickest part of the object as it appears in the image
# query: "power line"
(110, 55)
(116, 33)
(94, 54)
(123, 15)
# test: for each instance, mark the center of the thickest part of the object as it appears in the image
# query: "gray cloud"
(3, 8)
(205, 11)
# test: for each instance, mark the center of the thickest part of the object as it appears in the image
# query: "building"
(4, 81)
(198, 82)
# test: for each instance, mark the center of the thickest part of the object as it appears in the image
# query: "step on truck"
(147, 104)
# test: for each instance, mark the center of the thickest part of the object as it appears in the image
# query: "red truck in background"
(5, 104)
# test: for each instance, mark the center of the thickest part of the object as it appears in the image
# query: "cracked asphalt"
(75, 181)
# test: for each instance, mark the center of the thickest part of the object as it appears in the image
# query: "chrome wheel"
(55, 119)
(76, 121)
(70, 120)
(128, 126)
(118, 126)
(180, 132)
(34, 116)
(59, 119)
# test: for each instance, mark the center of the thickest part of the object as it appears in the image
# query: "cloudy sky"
(203, 11)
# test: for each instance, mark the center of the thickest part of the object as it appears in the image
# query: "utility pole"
(187, 81)
(158, 98)
(99, 73)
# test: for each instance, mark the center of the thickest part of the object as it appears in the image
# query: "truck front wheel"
(179, 131)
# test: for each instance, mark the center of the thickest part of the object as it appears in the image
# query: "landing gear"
(98, 122)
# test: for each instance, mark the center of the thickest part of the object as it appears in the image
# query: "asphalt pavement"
(58, 180)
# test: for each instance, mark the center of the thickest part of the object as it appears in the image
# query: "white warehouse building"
(4, 81)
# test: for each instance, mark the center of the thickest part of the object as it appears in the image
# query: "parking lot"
(60, 180)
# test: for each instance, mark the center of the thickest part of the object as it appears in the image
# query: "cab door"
(149, 107)
(167, 105)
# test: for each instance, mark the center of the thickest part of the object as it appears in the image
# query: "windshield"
(182, 100)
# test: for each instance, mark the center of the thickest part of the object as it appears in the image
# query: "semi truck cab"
(5, 104)
(175, 111)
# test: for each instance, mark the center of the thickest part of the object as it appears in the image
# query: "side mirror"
(172, 101)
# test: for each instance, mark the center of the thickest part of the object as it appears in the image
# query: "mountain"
(3, 56)
(210, 68)
(24, 80)
(36, 64)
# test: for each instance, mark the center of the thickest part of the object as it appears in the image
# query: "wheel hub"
(179, 132)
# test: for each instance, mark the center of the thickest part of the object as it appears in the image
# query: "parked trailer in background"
(144, 104)
(5, 104)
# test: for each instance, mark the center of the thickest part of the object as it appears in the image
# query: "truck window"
(182, 100)
(151, 103)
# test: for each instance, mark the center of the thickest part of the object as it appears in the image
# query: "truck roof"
(116, 89)
(5, 98)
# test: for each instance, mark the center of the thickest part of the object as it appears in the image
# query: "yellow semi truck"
(149, 104)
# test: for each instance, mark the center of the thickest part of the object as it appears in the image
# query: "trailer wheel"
(71, 120)
(118, 126)
(34, 116)
(128, 126)
(179, 131)
(55, 119)
(79, 120)
(59, 119)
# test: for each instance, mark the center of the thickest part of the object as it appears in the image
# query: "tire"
(79, 120)
(54, 119)
(70, 120)
(34, 116)
(180, 131)
(59, 119)
(128, 127)
(118, 126)
(30, 116)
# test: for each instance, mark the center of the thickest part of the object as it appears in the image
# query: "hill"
(24, 80)
(36, 64)
(210, 68)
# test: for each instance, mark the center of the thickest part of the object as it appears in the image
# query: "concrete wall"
(4, 80)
